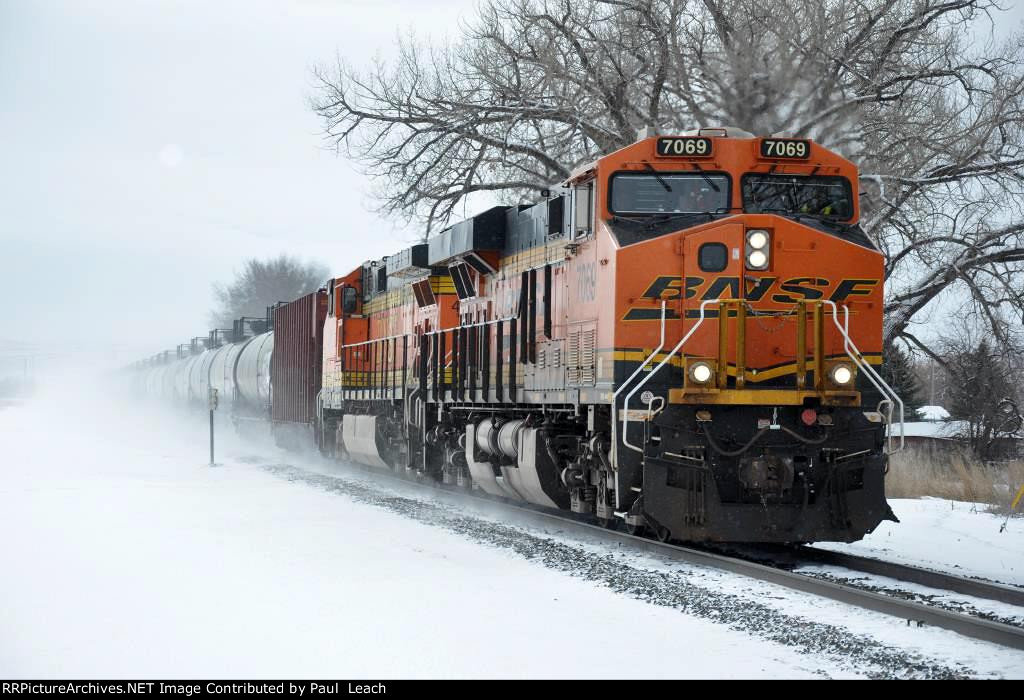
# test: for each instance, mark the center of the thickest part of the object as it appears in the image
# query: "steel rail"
(967, 625)
(989, 590)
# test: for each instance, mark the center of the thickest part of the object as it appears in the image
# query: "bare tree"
(916, 92)
(262, 283)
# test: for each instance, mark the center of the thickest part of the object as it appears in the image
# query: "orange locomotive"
(681, 338)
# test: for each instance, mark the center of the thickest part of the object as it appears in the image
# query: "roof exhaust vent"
(646, 133)
(727, 131)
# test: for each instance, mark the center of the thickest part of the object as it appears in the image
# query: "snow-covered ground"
(128, 556)
(961, 538)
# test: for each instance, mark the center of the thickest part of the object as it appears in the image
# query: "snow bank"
(949, 536)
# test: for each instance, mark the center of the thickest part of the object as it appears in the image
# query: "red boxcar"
(297, 364)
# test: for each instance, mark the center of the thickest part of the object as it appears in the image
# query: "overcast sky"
(151, 145)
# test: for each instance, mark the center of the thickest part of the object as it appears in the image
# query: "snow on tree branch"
(916, 92)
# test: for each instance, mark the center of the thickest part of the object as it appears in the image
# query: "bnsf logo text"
(790, 291)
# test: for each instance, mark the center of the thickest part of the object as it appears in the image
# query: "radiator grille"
(581, 357)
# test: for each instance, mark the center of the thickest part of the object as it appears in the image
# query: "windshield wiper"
(707, 178)
(681, 215)
(630, 219)
(661, 180)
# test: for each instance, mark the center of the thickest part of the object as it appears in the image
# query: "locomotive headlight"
(842, 374)
(757, 239)
(757, 260)
(701, 372)
(758, 248)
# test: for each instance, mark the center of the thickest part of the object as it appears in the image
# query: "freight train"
(681, 339)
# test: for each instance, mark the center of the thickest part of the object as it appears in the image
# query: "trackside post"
(213, 407)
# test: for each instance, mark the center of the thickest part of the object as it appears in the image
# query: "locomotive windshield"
(830, 197)
(669, 193)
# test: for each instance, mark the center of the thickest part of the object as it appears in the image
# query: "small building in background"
(934, 434)
(932, 414)
(935, 431)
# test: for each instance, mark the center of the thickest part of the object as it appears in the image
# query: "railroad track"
(940, 584)
(919, 613)
(743, 564)
(939, 580)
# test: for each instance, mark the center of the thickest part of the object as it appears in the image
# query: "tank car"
(234, 362)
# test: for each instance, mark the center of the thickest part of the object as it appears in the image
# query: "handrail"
(476, 324)
(615, 395)
(888, 393)
(407, 400)
(671, 354)
(375, 340)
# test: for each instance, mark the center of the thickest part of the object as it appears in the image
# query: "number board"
(786, 148)
(684, 146)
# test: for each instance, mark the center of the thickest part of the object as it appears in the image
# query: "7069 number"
(785, 148)
(684, 146)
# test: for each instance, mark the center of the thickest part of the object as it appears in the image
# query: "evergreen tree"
(898, 371)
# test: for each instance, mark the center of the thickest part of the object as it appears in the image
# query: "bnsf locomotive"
(682, 338)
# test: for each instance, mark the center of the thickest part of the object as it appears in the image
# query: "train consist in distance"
(682, 338)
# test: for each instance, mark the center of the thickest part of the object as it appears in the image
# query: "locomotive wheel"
(637, 530)
(662, 534)
(608, 523)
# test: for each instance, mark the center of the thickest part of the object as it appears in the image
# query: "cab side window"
(348, 300)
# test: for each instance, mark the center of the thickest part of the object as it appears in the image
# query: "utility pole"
(213, 407)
